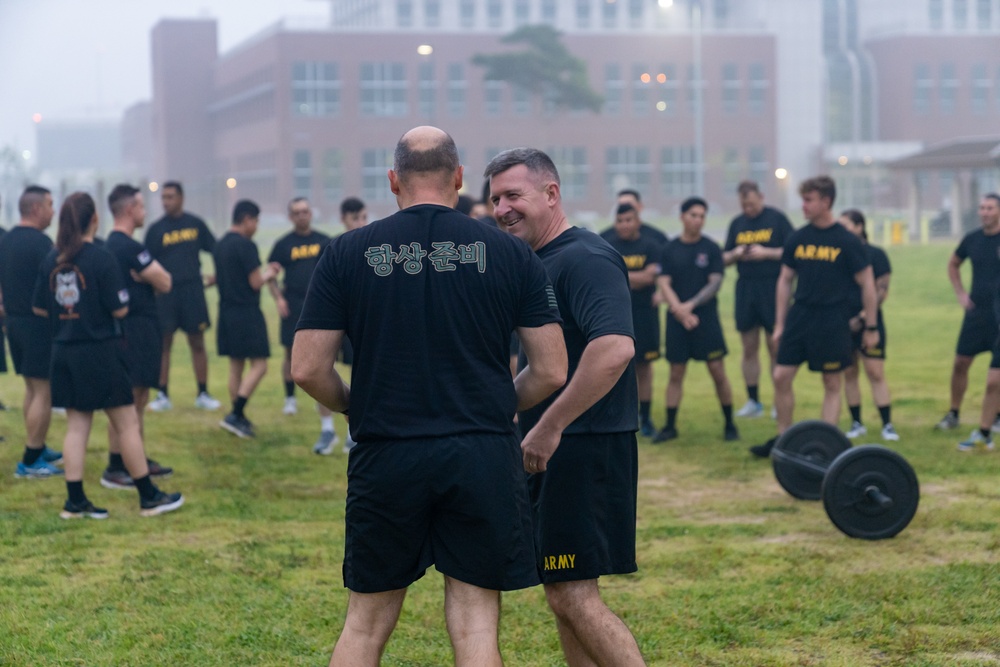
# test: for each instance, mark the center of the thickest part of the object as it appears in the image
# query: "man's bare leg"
(371, 618)
(590, 633)
(472, 615)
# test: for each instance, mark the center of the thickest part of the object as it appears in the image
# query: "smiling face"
(524, 203)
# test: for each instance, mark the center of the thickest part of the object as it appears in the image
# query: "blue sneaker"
(50, 455)
(40, 469)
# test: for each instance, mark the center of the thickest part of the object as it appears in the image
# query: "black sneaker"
(764, 451)
(647, 429)
(156, 470)
(84, 510)
(666, 433)
(731, 433)
(238, 426)
(161, 503)
(120, 479)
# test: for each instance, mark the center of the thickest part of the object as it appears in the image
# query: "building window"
(759, 168)
(922, 85)
(494, 13)
(383, 89)
(640, 90)
(456, 90)
(960, 14)
(374, 166)
(404, 13)
(582, 13)
(609, 14)
(432, 13)
(627, 167)
(731, 168)
(677, 171)
(614, 89)
(315, 89)
(948, 89)
(984, 14)
(730, 88)
(935, 14)
(493, 98)
(522, 101)
(333, 175)
(427, 90)
(522, 13)
(721, 13)
(467, 13)
(757, 93)
(302, 174)
(981, 85)
(574, 172)
(636, 11)
(549, 11)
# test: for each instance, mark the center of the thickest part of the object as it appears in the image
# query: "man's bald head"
(425, 151)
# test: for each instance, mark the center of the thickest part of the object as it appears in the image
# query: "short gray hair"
(535, 160)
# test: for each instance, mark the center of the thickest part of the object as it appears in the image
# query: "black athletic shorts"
(857, 337)
(3, 347)
(90, 375)
(978, 334)
(755, 299)
(703, 343)
(242, 332)
(584, 507)
(995, 360)
(820, 336)
(30, 345)
(646, 324)
(288, 323)
(142, 342)
(459, 503)
(184, 308)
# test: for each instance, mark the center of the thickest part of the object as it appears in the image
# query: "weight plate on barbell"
(800, 450)
(871, 492)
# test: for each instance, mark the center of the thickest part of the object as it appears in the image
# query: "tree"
(545, 66)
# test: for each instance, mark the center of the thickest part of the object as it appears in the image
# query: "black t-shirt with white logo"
(689, 265)
(825, 262)
(236, 258)
(298, 255)
(983, 252)
(591, 287)
(176, 243)
(22, 250)
(133, 256)
(80, 295)
(429, 299)
(769, 229)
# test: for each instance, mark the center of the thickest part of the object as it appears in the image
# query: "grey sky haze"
(80, 59)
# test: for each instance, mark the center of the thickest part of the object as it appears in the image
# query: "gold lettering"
(180, 236)
(634, 262)
(757, 236)
(305, 251)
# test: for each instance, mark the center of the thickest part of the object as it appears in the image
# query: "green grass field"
(732, 570)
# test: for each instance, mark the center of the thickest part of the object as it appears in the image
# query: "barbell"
(869, 492)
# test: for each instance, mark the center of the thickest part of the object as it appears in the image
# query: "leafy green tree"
(545, 66)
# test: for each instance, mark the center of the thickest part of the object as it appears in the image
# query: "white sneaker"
(996, 426)
(161, 403)
(751, 409)
(974, 438)
(857, 430)
(291, 406)
(327, 440)
(349, 444)
(206, 402)
(889, 433)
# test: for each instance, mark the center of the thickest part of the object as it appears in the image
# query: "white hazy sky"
(73, 59)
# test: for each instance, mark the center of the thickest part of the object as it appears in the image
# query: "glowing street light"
(230, 182)
(781, 173)
(425, 50)
(665, 4)
(36, 117)
(154, 186)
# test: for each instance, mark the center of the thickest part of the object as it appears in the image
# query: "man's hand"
(776, 334)
(965, 301)
(537, 448)
(283, 310)
(870, 339)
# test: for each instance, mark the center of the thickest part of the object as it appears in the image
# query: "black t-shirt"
(429, 299)
(984, 254)
(298, 255)
(880, 267)
(825, 262)
(591, 286)
(645, 231)
(22, 251)
(689, 265)
(81, 294)
(176, 243)
(769, 229)
(236, 258)
(638, 254)
(133, 256)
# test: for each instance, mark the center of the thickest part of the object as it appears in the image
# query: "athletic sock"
(238, 406)
(326, 423)
(885, 411)
(289, 389)
(727, 412)
(644, 410)
(75, 492)
(163, 390)
(752, 393)
(115, 462)
(986, 434)
(671, 417)
(31, 455)
(146, 488)
(855, 412)
(953, 412)
(202, 388)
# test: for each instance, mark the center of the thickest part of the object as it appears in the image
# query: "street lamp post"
(694, 8)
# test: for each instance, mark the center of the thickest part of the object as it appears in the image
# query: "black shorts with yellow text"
(703, 343)
(184, 308)
(819, 336)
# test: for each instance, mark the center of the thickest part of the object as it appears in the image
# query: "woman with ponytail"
(81, 292)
